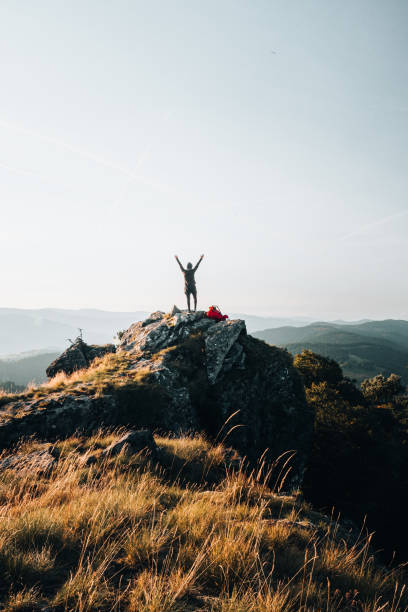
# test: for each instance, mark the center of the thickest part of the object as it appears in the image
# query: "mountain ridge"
(368, 349)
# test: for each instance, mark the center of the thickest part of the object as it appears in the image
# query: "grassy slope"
(184, 534)
(106, 372)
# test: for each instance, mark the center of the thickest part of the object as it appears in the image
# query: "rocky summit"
(175, 373)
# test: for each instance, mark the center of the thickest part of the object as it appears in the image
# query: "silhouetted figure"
(190, 288)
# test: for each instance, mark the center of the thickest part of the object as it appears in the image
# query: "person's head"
(189, 266)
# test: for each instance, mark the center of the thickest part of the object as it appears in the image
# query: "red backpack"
(215, 313)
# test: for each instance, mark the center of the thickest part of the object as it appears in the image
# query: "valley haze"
(23, 330)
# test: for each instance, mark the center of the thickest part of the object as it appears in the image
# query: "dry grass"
(123, 534)
(112, 371)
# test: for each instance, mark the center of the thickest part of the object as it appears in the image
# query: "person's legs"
(188, 301)
(195, 300)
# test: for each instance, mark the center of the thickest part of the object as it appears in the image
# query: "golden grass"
(103, 371)
(123, 534)
(112, 371)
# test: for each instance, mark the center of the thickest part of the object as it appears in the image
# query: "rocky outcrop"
(161, 331)
(183, 373)
(77, 357)
(56, 415)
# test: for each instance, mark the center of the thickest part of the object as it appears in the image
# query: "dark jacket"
(189, 279)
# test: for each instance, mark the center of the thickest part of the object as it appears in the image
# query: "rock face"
(184, 373)
(77, 357)
(219, 341)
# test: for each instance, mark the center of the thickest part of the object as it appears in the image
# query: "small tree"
(317, 369)
(382, 390)
(120, 334)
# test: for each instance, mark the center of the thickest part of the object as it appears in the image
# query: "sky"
(269, 135)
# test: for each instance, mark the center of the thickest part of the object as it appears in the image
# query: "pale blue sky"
(269, 135)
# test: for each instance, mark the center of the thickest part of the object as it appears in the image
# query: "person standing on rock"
(190, 288)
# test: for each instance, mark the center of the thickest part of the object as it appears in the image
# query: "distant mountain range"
(49, 328)
(31, 339)
(363, 349)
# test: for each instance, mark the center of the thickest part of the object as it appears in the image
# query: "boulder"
(38, 462)
(132, 442)
(58, 415)
(77, 357)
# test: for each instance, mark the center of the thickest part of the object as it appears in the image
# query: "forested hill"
(363, 349)
(27, 368)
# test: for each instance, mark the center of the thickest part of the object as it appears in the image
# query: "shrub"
(360, 450)
(382, 390)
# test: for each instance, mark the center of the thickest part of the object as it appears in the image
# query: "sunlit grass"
(129, 535)
(112, 371)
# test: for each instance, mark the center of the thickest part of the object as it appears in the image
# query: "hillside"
(26, 368)
(182, 528)
(363, 350)
(170, 473)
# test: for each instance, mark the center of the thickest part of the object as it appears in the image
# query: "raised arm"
(179, 263)
(198, 263)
